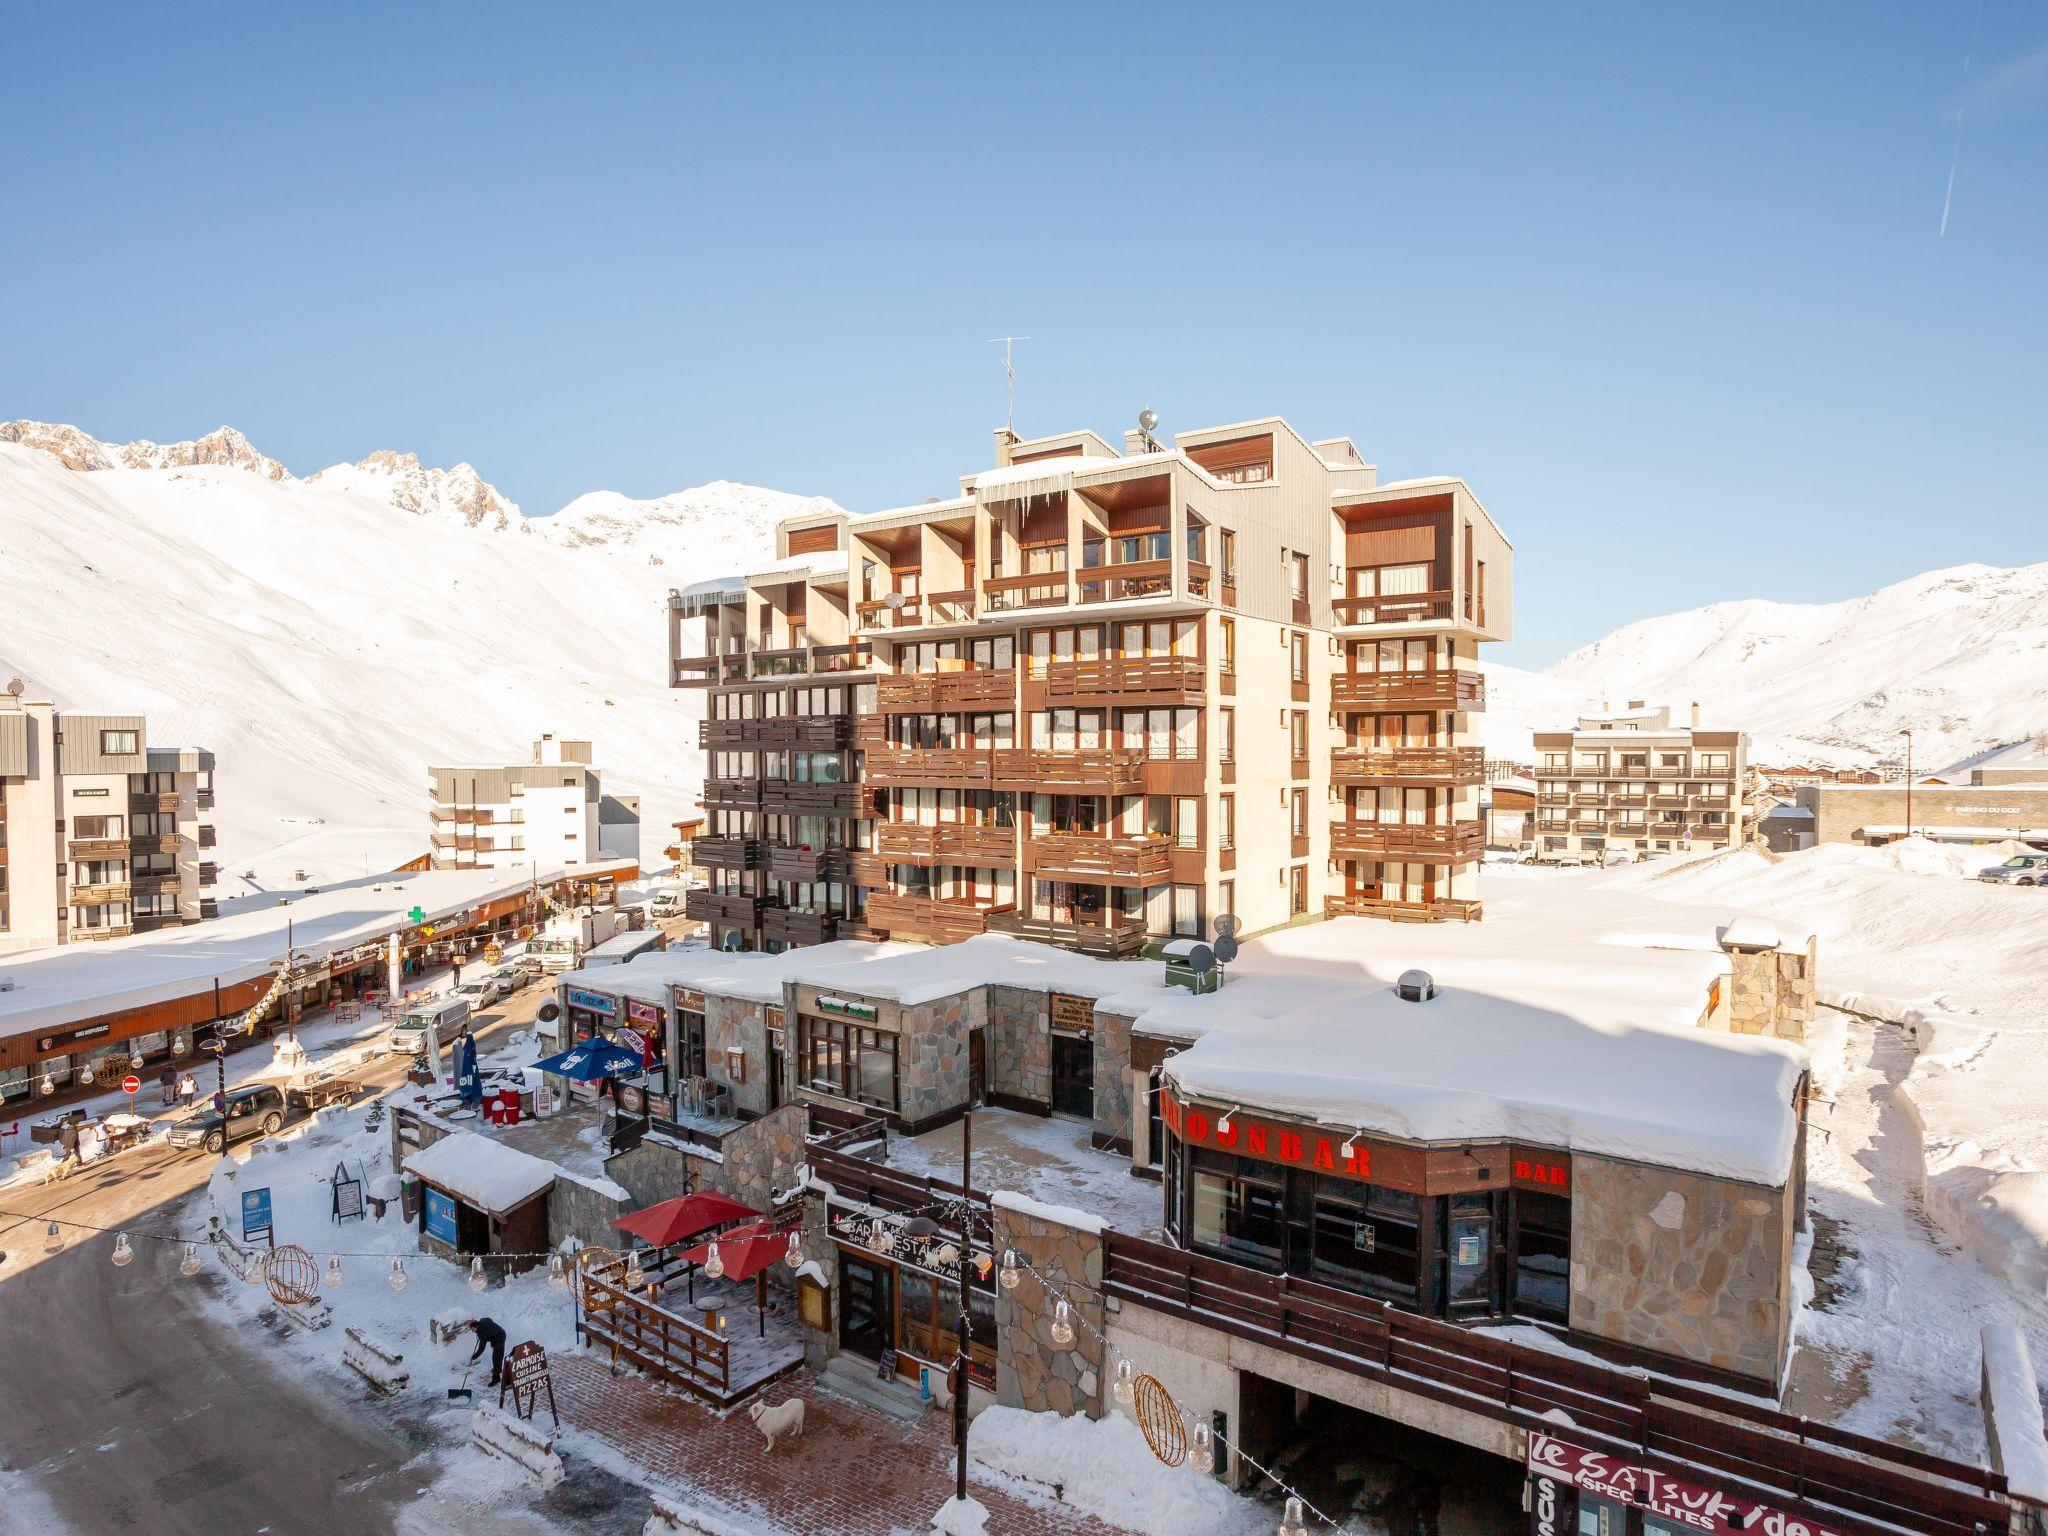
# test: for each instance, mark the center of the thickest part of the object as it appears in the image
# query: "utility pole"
(966, 1257)
(1909, 781)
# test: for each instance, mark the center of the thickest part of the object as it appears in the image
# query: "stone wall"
(822, 1251)
(760, 1157)
(932, 1064)
(1773, 992)
(732, 1021)
(1019, 1045)
(586, 1214)
(656, 1170)
(1032, 1372)
(1113, 1077)
(1683, 1265)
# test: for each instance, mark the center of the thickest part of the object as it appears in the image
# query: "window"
(95, 826)
(1228, 541)
(1297, 576)
(1187, 822)
(1226, 897)
(849, 1062)
(1298, 813)
(1543, 1246)
(1297, 665)
(1226, 650)
(1297, 734)
(1239, 1209)
(1226, 724)
(118, 743)
(1226, 822)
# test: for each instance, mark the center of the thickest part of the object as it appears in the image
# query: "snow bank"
(489, 1175)
(1104, 1468)
(2012, 1411)
(1059, 1215)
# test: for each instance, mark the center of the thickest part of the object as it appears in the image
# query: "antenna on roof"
(1147, 420)
(1009, 380)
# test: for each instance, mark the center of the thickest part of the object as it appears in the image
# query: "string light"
(794, 1257)
(1201, 1451)
(1291, 1523)
(558, 1271)
(1010, 1274)
(123, 1254)
(1063, 1324)
(635, 1275)
(477, 1279)
(85, 1074)
(879, 1238)
(332, 1279)
(53, 1240)
(397, 1280)
(714, 1263)
(47, 1086)
(189, 1264)
(1124, 1387)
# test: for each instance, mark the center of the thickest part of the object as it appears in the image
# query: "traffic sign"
(131, 1085)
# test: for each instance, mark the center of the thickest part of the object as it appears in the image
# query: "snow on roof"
(626, 943)
(58, 985)
(915, 973)
(488, 1174)
(1751, 933)
(826, 562)
(1040, 475)
(1418, 482)
(716, 586)
(952, 504)
(1921, 829)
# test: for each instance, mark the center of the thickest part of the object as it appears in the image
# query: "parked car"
(529, 967)
(448, 1016)
(2020, 869)
(262, 1109)
(667, 903)
(509, 979)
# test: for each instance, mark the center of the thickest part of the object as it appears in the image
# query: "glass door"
(1472, 1285)
(1073, 1076)
(866, 1308)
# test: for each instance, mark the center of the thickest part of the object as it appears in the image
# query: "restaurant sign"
(593, 1002)
(644, 1013)
(848, 1008)
(1671, 1500)
(72, 1036)
(1249, 1137)
(1073, 1013)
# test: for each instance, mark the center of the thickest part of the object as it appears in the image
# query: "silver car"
(2020, 869)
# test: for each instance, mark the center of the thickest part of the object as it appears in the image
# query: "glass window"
(1239, 1210)
(118, 743)
(1543, 1250)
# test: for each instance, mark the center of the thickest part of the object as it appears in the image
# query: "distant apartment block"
(550, 810)
(1099, 697)
(1629, 781)
(101, 834)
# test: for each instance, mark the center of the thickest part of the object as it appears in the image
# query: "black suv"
(262, 1109)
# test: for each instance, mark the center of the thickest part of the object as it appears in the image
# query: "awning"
(673, 1221)
(745, 1251)
(589, 1060)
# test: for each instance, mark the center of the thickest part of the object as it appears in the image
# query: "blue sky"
(1666, 284)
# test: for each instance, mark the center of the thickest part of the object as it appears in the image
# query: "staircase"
(853, 1378)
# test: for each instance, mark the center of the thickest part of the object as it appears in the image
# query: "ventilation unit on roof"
(1415, 987)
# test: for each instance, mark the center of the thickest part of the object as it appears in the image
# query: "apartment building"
(1629, 781)
(1100, 697)
(101, 834)
(551, 810)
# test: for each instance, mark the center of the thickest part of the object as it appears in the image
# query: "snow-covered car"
(2020, 869)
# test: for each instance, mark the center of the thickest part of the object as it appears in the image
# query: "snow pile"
(2012, 1410)
(521, 1443)
(1104, 1468)
(1036, 1210)
(488, 1174)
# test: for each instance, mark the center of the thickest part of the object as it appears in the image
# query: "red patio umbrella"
(748, 1253)
(672, 1221)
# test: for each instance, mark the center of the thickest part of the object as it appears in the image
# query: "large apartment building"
(101, 834)
(1099, 697)
(1629, 781)
(550, 810)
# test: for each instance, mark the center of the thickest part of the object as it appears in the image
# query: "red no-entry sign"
(131, 1085)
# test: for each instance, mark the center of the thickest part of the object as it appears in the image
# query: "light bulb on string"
(1291, 1523)
(1063, 1324)
(123, 1254)
(879, 1240)
(558, 1271)
(47, 1086)
(188, 1264)
(635, 1275)
(85, 1074)
(1011, 1272)
(397, 1280)
(1202, 1450)
(714, 1263)
(793, 1256)
(135, 1058)
(477, 1280)
(332, 1279)
(1124, 1387)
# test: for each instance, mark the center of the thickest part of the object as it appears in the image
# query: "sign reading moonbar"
(1670, 1500)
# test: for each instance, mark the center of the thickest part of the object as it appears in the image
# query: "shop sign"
(1670, 1499)
(1263, 1139)
(1073, 1013)
(1546, 1171)
(440, 1216)
(1551, 1507)
(592, 1002)
(848, 1008)
(632, 1040)
(72, 1036)
(694, 1001)
(644, 1013)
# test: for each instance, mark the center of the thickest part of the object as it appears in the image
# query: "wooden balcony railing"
(1032, 589)
(1449, 689)
(726, 853)
(1111, 679)
(156, 883)
(797, 797)
(100, 847)
(881, 613)
(167, 800)
(732, 794)
(207, 836)
(1437, 843)
(734, 910)
(794, 926)
(930, 765)
(1093, 859)
(706, 671)
(1436, 910)
(933, 919)
(100, 894)
(1459, 765)
(801, 733)
(1132, 578)
(803, 864)
(1103, 770)
(155, 842)
(984, 847)
(927, 693)
(1113, 937)
(209, 873)
(1408, 608)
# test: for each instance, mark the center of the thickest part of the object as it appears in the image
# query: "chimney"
(1005, 441)
(1695, 714)
(1135, 442)
(1635, 703)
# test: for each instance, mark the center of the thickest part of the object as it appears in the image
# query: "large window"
(1543, 1249)
(1239, 1209)
(118, 744)
(849, 1062)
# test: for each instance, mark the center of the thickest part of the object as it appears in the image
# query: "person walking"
(67, 1146)
(188, 1090)
(167, 1086)
(489, 1336)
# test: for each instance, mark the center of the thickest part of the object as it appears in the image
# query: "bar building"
(1629, 781)
(101, 834)
(1060, 702)
(552, 810)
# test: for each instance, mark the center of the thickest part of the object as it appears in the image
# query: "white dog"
(785, 1418)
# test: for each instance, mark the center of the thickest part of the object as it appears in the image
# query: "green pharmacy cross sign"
(416, 917)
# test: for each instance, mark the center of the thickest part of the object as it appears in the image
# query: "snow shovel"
(461, 1394)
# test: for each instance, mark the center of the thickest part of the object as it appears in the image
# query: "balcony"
(1407, 608)
(1364, 765)
(796, 927)
(1125, 679)
(1407, 690)
(1093, 859)
(87, 935)
(207, 836)
(205, 799)
(802, 733)
(930, 693)
(726, 853)
(867, 869)
(1114, 938)
(1032, 589)
(732, 909)
(155, 884)
(166, 801)
(1438, 910)
(1431, 843)
(933, 919)
(1097, 770)
(981, 847)
(930, 765)
(732, 794)
(154, 922)
(99, 895)
(801, 864)
(208, 907)
(208, 873)
(1130, 578)
(100, 847)
(799, 797)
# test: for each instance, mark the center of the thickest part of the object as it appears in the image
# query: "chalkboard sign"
(526, 1373)
(348, 1194)
(885, 1367)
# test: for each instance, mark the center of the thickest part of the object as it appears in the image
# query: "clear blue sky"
(1666, 284)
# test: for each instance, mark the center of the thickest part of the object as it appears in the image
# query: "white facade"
(551, 810)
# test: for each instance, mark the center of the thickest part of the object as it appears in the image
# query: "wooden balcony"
(1032, 589)
(1093, 859)
(1368, 765)
(205, 799)
(87, 935)
(1125, 679)
(933, 919)
(799, 733)
(798, 797)
(100, 847)
(156, 842)
(867, 869)
(726, 853)
(734, 910)
(98, 895)
(1409, 608)
(208, 907)
(937, 693)
(706, 671)
(1133, 578)
(803, 864)
(1449, 689)
(930, 765)
(1098, 770)
(1112, 938)
(1439, 910)
(981, 847)
(155, 884)
(208, 873)
(798, 927)
(166, 801)
(1434, 843)
(207, 836)
(732, 794)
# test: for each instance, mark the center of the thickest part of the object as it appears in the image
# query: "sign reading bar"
(1074, 1013)
(1671, 1500)
(592, 1002)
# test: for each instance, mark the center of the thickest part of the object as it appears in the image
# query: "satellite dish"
(1147, 420)
(1225, 926)
(732, 942)
(893, 600)
(548, 1011)
(1226, 949)
(1201, 959)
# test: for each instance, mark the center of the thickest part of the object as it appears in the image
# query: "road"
(126, 1403)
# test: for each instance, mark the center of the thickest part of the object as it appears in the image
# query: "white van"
(410, 1032)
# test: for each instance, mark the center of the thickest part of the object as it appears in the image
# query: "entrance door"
(977, 1066)
(775, 1068)
(1073, 1076)
(867, 1310)
(1472, 1287)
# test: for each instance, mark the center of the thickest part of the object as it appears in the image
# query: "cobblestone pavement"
(854, 1472)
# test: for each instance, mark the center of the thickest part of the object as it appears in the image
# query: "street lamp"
(1909, 781)
(924, 1226)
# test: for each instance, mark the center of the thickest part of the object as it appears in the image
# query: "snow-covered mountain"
(1958, 656)
(330, 637)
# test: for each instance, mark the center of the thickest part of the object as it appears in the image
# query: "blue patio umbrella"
(469, 1083)
(588, 1060)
